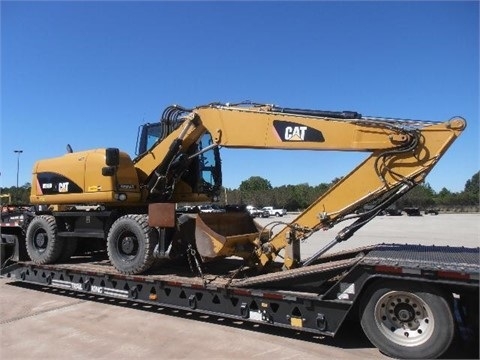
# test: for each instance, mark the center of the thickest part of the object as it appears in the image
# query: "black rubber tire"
(130, 244)
(43, 245)
(428, 327)
(69, 248)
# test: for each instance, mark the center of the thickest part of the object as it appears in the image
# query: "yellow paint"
(296, 322)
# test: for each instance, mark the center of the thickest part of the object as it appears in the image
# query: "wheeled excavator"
(128, 203)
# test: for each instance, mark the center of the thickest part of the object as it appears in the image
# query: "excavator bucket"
(226, 234)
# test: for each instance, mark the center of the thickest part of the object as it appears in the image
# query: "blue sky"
(89, 73)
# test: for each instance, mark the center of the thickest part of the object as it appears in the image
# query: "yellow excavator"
(128, 203)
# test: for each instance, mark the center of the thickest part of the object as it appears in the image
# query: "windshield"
(151, 134)
(207, 160)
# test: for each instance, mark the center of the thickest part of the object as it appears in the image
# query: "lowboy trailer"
(408, 298)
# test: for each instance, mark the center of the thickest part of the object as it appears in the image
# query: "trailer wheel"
(130, 244)
(43, 245)
(407, 320)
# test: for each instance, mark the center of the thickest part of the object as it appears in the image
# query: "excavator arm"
(402, 152)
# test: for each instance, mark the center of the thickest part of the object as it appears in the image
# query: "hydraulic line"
(363, 219)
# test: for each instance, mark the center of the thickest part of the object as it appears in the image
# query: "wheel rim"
(404, 318)
(127, 246)
(40, 241)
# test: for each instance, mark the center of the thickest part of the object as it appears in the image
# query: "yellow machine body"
(182, 164)
(76, 178)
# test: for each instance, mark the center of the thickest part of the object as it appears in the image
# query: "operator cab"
(202, 165)
(148, 136)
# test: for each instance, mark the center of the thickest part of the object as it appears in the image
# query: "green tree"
(255, 183)
(444, 193)
(259, 192)
(421, 196)
(472, 185)
(20, 195)
(445, 198)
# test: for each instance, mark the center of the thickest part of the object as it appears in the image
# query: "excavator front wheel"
(43, 245)
(130, 244)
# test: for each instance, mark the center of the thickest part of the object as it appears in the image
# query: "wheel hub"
(41, 240)
(404, 318)
(404, 312)
(127, 245)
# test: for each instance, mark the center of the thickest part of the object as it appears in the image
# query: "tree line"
(259, 192)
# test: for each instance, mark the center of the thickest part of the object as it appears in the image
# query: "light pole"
(18, 152)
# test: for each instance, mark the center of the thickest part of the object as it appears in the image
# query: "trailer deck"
(315, 298)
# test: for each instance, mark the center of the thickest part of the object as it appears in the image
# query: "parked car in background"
(255, 212)
(274, 212)
(189, 209)
(235, 208)
(412, 211)
(393, 212)
(213, 208)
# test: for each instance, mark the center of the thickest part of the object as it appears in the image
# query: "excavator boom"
(402, 152)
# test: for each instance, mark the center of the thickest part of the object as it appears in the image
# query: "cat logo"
(63, 187)
(295, 133)
(290, 131)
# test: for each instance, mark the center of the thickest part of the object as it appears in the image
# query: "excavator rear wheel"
(130, 244)
(43, 245)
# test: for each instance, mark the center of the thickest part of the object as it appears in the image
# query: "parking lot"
(38, 322)
(441, 230)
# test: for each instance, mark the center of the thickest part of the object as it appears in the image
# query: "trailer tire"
(407, 320)
(130, 244)
(43, 245)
